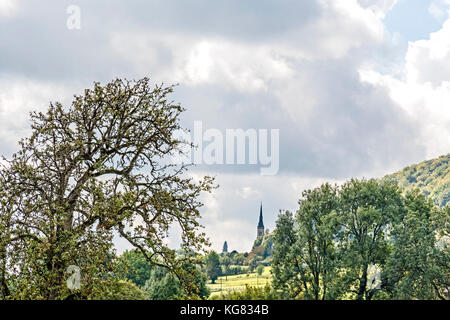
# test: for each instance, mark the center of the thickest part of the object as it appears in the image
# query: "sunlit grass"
(238, 282)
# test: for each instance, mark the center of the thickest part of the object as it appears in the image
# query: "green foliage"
(88, 171)
(286, 267)
(366, 212)
(308, 248)
(135, 267)
(237, 258)
(225, 261)
(234, 270)
(419, 267)
(253, 263)
(363, 240)
(120, 290)
(259, 270)
(262, 249)
(257, 242)
(162, 285)
(431, 177)
(213, 268)
(249, 293)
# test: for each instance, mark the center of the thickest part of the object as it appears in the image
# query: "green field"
(238, 282)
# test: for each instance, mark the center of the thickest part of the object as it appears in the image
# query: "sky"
(357, 88)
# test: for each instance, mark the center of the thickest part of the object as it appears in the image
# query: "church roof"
(260, 223)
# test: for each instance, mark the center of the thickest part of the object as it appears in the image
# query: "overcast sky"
(357, 88)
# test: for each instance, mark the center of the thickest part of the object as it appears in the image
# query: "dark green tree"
(419, 267)
(287, 269)
(213, 268)
(121, 290)
(367, 212)
(260, 270)
(135, 266)
(162, 285)
(225, 261)
(310, 246)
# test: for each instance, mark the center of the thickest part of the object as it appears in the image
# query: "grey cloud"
(351, 129)
(331, 125)
(36, 43)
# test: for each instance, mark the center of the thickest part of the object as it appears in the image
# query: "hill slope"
(432, 177)
(262, 248)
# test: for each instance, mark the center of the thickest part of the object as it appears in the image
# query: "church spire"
(260, 224)
(260, 228)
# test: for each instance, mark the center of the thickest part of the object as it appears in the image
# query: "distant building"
(260, 228)
(225, 247)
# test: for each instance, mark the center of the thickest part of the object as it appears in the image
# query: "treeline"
(362, 240)
(141, 280)
(158, 283)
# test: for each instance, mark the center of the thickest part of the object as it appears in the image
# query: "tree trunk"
(362, 284)
(4, 290)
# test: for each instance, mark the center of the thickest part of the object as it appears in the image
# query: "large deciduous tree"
(366, 214)
(419, 267)
(97, 168)
(287, 268)
(305, 257)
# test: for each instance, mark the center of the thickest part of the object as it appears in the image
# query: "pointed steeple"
(260, 227)
(260, 223)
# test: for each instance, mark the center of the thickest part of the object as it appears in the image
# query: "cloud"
(423, 90)
(439, 9)
(428, 60)
(8, 8)
(17, 98)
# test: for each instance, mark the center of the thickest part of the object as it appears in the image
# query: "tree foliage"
(363, 240)
(213, 268)
(432, 177)
(250, 293)
(419, 267)
(135, 267)
(96, 168)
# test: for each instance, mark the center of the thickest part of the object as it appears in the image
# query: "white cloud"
(8, 7)
(244, 67)
(247, 193)
(379, 7)
(253, 66)
(238, 66)
(429, 60)
(439, 9)
(424, 89)
(343, 25)
(18, 97)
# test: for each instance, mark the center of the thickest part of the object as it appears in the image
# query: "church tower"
(260, 228)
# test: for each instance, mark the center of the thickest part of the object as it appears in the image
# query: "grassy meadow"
(238, 282)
